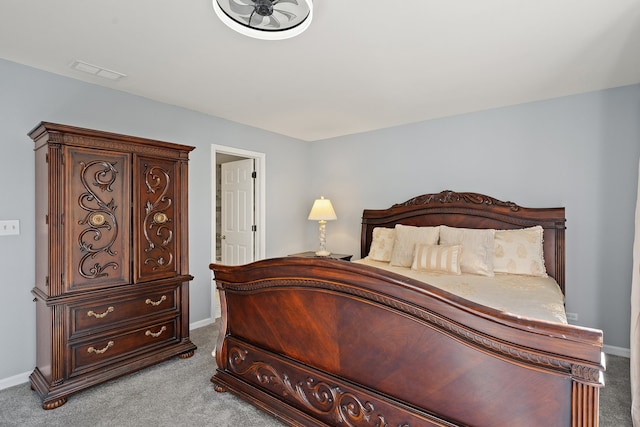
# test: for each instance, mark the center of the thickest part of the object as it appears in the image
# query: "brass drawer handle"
(155, 334)
(93, 350)
(100, 315)
(156, 303)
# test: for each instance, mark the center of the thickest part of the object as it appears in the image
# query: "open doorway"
(221, 155)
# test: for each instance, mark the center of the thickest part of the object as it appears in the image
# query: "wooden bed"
(318, 342)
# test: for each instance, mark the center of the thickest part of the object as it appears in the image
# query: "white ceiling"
(362, 64)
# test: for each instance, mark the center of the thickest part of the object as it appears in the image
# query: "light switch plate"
(9, 227)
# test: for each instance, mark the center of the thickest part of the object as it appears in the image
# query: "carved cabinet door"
(156, 192)
(96, 218)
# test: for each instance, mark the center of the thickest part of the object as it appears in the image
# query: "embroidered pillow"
(519, 252)
(437, 258)
(407, 236)
(477, 248)
(382, 244)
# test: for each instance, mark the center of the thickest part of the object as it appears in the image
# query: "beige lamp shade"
(322, 210)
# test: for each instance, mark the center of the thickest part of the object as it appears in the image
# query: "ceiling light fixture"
(265, 19)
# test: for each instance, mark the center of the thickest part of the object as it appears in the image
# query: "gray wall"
(29, 96)
(580, 152)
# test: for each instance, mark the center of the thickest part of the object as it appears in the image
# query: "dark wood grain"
(323, 342)
(111, 289)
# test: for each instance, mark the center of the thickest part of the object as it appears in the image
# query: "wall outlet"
(572, 317)
(9, 227)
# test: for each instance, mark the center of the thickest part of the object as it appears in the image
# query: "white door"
(237, 210)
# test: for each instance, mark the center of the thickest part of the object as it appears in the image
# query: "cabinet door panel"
(98, 218)
(157, 236)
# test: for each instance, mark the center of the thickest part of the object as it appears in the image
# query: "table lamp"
(322, 211)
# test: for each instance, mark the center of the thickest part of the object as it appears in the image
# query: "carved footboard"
(326, 342)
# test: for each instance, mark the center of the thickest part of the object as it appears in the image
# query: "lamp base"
(323, 253)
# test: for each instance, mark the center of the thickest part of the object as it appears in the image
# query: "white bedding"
(527, 296)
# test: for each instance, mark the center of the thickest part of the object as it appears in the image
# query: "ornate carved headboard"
(474, 210)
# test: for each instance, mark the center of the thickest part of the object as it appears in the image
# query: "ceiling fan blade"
(273, 22)
(240, 8)
(290, 16)
(255, 20)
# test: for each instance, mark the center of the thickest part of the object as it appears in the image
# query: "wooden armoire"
(111, 284)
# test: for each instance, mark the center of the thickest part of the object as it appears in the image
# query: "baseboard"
(616, 351)
(14, 380)
(24, 377)
(201, 323)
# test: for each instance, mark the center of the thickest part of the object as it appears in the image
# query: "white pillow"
(437, 258)
(519, 252)
(407, 236)
(477, 248)
(382, 244)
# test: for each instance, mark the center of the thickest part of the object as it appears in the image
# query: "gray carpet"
(178, 392)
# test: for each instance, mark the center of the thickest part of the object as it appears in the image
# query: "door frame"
(259, 206)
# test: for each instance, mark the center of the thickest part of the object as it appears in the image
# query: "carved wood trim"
(72, 135)
(117, 146)
(585, 374)
(448, 196)
(584, 406)
(100, 216)
(469, 336)
(58, 344)
(318, 397)
(55, 213)
(157, 225)
(326, 399)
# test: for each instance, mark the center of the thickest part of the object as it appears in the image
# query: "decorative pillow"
(437, 258)
(519, 252)
(407, 236)
(382, 244)
(477, 248)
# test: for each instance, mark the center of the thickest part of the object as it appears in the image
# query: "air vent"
(96, 70)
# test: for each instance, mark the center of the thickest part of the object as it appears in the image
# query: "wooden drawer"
(87, 317)
(94, 353)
